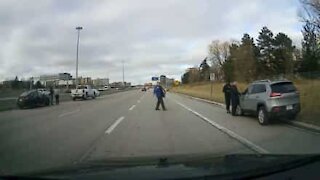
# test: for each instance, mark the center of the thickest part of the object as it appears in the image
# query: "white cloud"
(153, 37)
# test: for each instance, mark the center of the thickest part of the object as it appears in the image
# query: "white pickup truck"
(84, 92)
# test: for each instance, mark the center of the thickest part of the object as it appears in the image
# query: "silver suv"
(270, 99)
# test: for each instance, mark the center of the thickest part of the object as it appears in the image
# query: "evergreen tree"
(266, 59)
(310, 49)
(283, 52)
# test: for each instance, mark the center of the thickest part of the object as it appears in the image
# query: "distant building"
(56, 79)
(120, 84)
(85, 81)
(169, 82)
(65, 76)
(127, 84)
(66, 82)
(53, 77)
(101, 82)
(166, 82)
(116, 84)
(163, 80)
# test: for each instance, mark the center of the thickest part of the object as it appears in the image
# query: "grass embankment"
(309, 94)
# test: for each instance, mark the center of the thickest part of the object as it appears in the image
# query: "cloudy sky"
(152, 37)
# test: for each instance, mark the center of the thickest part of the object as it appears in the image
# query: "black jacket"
(227, 89)
(235, 95)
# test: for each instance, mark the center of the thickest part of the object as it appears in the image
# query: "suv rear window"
(284, 87)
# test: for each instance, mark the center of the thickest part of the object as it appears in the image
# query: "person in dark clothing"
(234, 98)
(227, 95)
(56, 95)
(57, 99)
(160, 94)
(51, 95)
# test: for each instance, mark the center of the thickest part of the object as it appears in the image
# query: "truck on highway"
(83, 92)
(104, 88)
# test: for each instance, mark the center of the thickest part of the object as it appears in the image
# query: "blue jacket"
(158, 91)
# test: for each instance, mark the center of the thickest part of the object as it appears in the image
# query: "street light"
(123, 73)
(78, 29)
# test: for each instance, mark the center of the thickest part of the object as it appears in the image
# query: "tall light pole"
(78, 29)
(123, 73)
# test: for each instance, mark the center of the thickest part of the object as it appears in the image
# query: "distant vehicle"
(32, 98)
(270, 99)
(143, 89)
(105, 88)
(83, 92)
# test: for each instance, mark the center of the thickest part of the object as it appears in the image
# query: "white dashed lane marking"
(132, 107)
(114, 125)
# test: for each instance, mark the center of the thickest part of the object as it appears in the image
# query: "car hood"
(184, 166)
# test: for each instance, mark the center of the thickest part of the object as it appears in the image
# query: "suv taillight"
(275, 94)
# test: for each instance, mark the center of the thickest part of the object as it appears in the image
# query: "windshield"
(158, 79)
(26, 93)
(285, 87)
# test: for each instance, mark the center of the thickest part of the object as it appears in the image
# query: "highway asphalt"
(126, 125)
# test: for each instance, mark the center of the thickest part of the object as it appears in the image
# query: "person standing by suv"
(57, 96)
(227, 95)
(234, 98)
(51, 95)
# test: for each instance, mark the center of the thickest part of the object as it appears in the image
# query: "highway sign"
(155, 78)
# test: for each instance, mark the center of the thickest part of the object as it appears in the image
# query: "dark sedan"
(32, 98)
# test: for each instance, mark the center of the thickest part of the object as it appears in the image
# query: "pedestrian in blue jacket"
(159, 92)
(235, 101)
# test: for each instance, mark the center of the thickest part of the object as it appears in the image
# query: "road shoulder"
(299, 124)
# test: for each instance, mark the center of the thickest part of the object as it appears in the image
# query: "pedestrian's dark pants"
(57, 99)
(234, 104)
(51, 99)
(160, 101)
(227, 99)
(234, 109)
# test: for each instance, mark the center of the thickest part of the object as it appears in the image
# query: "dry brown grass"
(309, 94)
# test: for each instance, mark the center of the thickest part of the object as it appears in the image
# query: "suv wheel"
(262, 116)
(239, 110)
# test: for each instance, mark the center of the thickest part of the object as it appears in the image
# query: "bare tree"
(218, 52)
(218, 55)
(311, 12)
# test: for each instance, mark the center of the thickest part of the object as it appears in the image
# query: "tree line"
(269, 56)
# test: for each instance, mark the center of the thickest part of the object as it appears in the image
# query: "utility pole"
(78, 29)
(123, 73)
